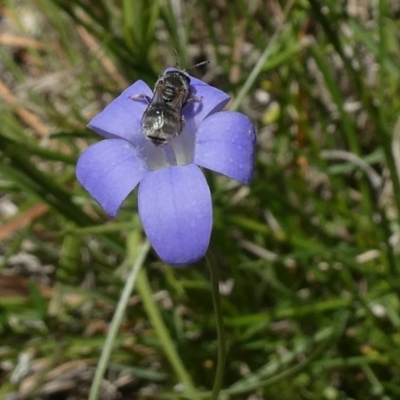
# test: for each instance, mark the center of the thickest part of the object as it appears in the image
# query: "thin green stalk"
(262, 60)
(279, 376)
(116, 322)
(255, 71)
(219, 374)
(382, 54)
(145, 292)
(388, 140)
(364, 93)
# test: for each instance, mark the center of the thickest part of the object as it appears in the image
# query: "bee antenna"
(176, 59)
(197, 65)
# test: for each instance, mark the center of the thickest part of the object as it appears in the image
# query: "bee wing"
(153, 117)
(158, 94)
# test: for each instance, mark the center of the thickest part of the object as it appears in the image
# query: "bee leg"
(181, 126)
(139, 97)
(192, 100)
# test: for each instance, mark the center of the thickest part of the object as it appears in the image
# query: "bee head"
(178, 75)
(181, 75)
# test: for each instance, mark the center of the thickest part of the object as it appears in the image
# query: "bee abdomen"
(157, 141)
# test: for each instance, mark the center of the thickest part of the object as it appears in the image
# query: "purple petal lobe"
(122, 117)
(225, 143)
(210, 101)
(109, 170)
(176, 213)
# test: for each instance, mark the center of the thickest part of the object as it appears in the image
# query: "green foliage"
(308, 253)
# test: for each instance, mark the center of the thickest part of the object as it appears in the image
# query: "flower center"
(179, 151)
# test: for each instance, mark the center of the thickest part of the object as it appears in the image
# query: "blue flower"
(174, 199)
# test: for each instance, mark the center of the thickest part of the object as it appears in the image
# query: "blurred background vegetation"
(309, 253)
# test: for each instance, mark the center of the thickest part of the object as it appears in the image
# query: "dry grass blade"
(22, 220)
(27, 117)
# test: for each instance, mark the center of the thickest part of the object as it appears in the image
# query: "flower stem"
(116, 321)
(219, 374)
(144, 289)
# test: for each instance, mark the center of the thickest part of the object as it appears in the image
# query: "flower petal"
(225, 143)
(176, 213)
(211, 100)
(109, 170)
(122, 117)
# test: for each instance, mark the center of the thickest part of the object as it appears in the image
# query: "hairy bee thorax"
(174, 83)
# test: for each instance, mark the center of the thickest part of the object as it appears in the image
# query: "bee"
(162, 120)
